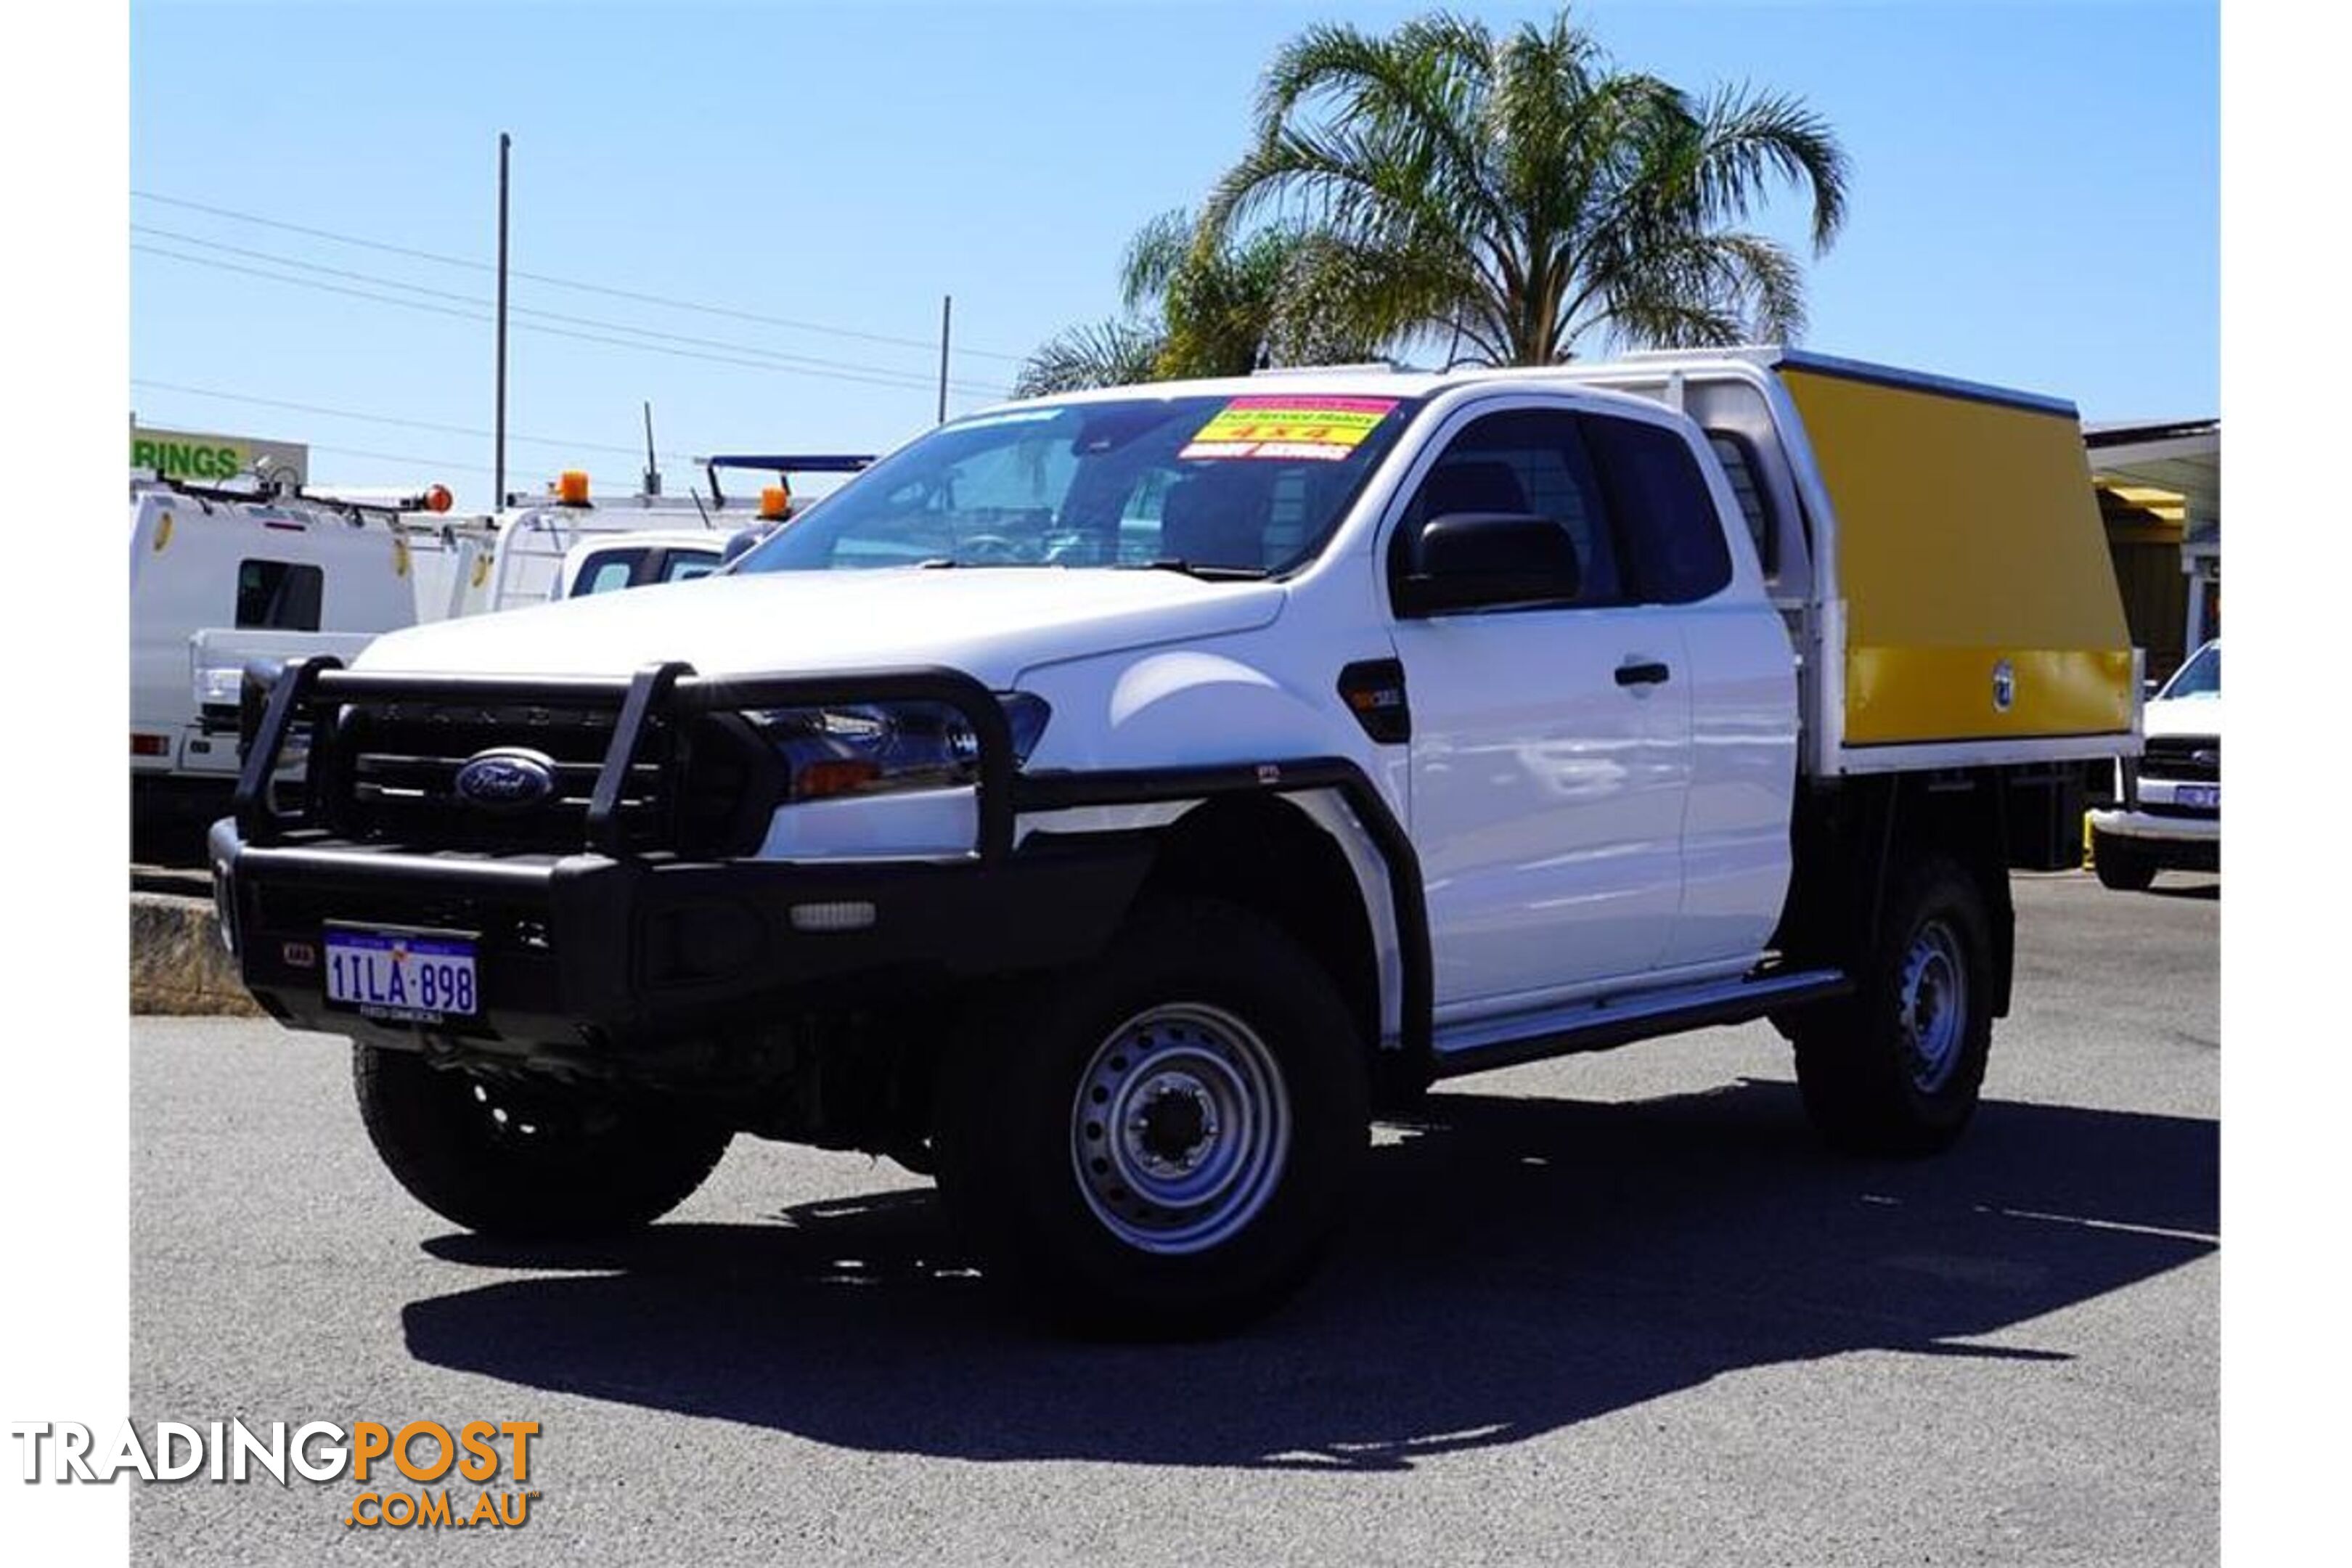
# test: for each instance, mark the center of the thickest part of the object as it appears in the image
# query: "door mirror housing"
(1482, 560)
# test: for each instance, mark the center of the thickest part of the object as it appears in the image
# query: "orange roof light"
(437, 498)
(775, 501)
(572, 489)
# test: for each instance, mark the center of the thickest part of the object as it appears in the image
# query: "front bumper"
(2156, 826)
(605, 944)
(588, 953)
(2177, 842)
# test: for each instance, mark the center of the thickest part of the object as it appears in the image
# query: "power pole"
(499, 503)
(947, 314)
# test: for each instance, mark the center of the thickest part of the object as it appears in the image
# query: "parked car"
(1107, 802)
(2167, 815)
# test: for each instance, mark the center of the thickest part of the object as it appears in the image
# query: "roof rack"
(786, 465)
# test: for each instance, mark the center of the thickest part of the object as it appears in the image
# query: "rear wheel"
(1897, 1067)
(526, 1161)
(2119, 864)
(1161, 1144)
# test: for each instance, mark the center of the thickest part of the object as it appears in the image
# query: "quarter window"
(280, 595)
(1739, 467)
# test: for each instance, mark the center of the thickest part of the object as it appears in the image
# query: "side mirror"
(1474, 560)
(738, 542)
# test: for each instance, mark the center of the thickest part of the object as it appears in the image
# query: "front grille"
(388, 775)
(2188, 759)
(700, 781)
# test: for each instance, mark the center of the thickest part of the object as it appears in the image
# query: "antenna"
(653, 470)
(705, 511)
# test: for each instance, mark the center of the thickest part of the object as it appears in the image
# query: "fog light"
(848, 916)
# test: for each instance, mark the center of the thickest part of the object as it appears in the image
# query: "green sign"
(184, 455)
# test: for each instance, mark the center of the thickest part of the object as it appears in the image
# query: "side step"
(1597, 1026)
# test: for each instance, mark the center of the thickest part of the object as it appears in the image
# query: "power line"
(260, 402)
(635, 295)
(838, 366)
(772, 364)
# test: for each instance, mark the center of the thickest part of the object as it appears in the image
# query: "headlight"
(873, 747)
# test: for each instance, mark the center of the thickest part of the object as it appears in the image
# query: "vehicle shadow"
(1520, 1265)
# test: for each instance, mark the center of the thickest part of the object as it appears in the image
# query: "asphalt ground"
(1617, 1309)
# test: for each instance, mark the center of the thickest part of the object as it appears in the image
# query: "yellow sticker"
(1315, 428)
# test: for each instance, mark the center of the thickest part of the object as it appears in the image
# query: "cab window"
(685, 565)
(1529, 461)
(1665, 515)
(604, 572)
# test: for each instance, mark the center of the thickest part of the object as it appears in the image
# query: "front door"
(1551, 742)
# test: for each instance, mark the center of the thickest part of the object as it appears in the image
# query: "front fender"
(1185, 708)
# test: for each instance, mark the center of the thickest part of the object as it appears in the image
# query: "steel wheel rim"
(1180, 1129)
(1934, 1002)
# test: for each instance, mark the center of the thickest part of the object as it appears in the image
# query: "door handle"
(1642, 672)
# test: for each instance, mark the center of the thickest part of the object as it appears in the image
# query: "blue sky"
(2034, 203)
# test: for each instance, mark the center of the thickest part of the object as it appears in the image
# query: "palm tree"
(1225, 306)
(1234, 302)
(1517, 197)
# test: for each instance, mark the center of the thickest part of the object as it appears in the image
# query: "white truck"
(1110, 803)
(219, 577)
(568, 543)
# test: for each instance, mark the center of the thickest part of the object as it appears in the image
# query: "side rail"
(309, 692)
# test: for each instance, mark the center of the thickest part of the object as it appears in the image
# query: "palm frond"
(1101, 353)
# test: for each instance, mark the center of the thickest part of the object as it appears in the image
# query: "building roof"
(2179, 456)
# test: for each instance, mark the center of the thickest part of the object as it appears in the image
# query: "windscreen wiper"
(1207, 571)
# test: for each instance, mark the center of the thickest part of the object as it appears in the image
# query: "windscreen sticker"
(1315, 428)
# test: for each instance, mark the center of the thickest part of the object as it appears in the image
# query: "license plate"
(2199, 797)
(424, 977)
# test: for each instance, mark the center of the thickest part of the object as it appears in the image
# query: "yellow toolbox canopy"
(1980, 599)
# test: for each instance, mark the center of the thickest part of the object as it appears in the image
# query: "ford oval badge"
(505, 778)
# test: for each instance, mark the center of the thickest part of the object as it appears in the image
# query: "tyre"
(2120, 865)
(1896, 1068)
(1162, 1143)
(526, 1162)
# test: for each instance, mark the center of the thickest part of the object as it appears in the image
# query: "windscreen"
(2200, 677)
(1221, 486)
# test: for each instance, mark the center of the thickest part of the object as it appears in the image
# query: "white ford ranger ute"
(1106, 803)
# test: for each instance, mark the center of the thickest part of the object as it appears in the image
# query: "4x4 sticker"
(1326, 429)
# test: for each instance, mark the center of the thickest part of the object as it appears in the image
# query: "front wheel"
(1161, 1144)
(1896, 1068)
(529, 1161)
